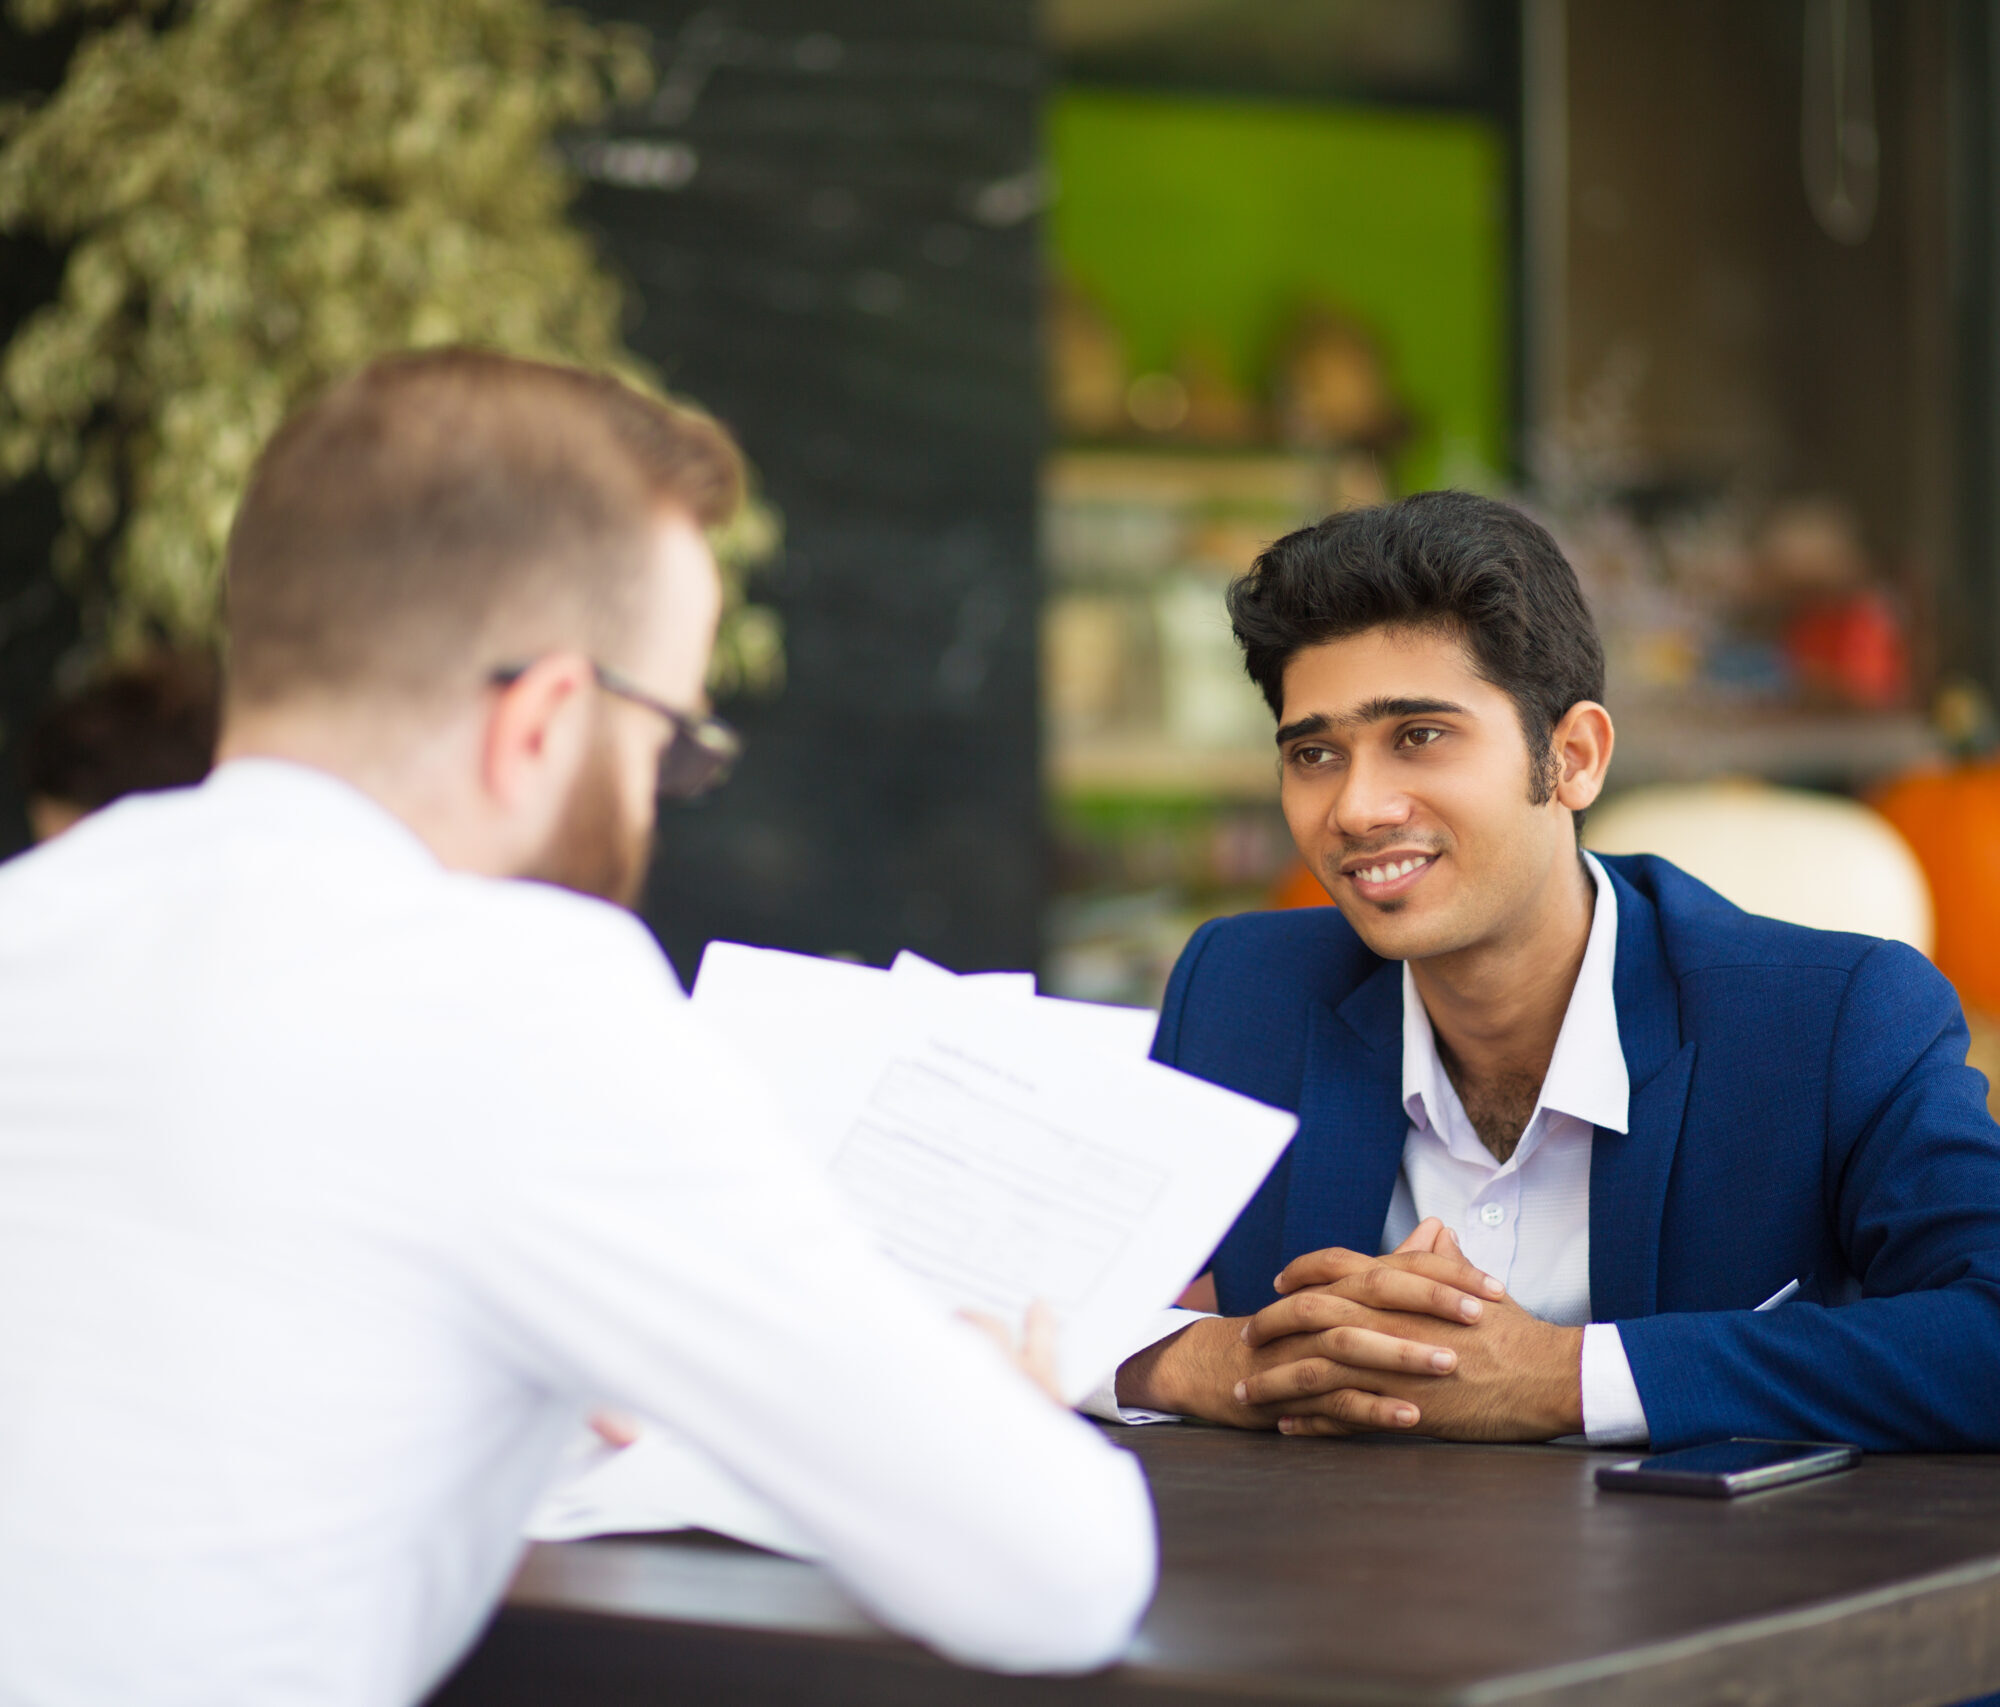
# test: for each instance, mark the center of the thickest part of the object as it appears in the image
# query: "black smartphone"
(1725, 1468)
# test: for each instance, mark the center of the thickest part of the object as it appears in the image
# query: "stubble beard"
(595, 848)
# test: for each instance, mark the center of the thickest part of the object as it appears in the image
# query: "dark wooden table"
(1370, 1571)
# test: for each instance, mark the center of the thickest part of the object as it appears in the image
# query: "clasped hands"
(1419, 1341)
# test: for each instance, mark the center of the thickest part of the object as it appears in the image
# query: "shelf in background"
(1826, 749)
(1810, 749)
(1306, 483)
(1143, 765)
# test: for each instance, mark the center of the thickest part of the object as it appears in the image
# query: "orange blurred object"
(1951, 819)
(1299, 888)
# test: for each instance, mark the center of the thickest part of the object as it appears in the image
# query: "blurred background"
(1037, 321)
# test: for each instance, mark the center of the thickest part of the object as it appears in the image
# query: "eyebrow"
(1371, 711)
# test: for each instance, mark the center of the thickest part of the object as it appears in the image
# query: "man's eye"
(1420, 737)
(1311, 758)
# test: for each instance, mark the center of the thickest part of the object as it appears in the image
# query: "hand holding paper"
(1035, 1353)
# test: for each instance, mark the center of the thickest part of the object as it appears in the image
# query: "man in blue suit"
(1645, 1167)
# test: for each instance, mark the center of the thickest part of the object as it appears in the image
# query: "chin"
(1396, 933)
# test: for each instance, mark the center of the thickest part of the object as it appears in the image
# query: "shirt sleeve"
(1612, 1412)
(648, 1238)
(1102, 1402)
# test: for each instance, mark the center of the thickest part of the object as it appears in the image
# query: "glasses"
(697, 757)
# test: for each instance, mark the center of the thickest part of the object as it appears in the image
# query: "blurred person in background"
(143, 723)
(355, 1143)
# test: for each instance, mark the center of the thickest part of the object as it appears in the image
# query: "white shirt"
(335, 1188)
(1527, 1220)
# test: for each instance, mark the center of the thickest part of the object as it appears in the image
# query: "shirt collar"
(281, 793)
(1586, 1080)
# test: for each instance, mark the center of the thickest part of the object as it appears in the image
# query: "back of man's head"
(1448, 562)
(438, 513)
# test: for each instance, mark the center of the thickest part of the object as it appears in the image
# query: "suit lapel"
(1351, 1119)
(1629, 1170)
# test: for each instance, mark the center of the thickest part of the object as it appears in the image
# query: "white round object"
(1809, 859)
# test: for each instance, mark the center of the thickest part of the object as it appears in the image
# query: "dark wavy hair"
(146, 722)
(1452, 562)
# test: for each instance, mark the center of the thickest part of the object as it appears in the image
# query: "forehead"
(1336, 678)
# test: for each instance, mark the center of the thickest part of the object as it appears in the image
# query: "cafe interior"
(1038, 321)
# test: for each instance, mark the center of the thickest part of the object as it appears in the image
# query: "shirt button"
(1492, 1214)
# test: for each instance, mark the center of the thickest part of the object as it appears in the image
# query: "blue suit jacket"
(1801, 1109)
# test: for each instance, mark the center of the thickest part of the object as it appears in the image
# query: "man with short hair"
(342, 1172)
(1711, 1174)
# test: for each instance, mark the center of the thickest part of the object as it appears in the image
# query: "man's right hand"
(1200, 1370)
(1034, 1354)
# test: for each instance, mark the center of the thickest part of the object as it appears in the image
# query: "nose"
(1370, 798)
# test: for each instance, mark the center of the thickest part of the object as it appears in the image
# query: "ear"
(1581, 746)
(536, 731)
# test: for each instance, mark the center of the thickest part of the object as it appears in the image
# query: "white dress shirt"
(335, 1188)
(1526, 1220)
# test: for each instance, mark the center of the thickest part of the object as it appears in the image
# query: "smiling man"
(1582, 1148)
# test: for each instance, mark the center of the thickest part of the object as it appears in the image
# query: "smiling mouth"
(1385, 879)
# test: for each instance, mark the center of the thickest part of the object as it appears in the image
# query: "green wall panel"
(1211, 219)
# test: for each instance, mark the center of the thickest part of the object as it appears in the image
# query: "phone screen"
(1729, 1457)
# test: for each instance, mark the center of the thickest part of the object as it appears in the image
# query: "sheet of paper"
(996, 983)
(1001, 1146)
(1119, 1031)
(819, 1031)
(999, 1159)
(994, 1151)
(1122, 1031)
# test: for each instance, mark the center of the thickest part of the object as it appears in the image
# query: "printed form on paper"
(1000, 1145)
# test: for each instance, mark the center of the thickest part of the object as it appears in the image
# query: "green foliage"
(256, 196)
